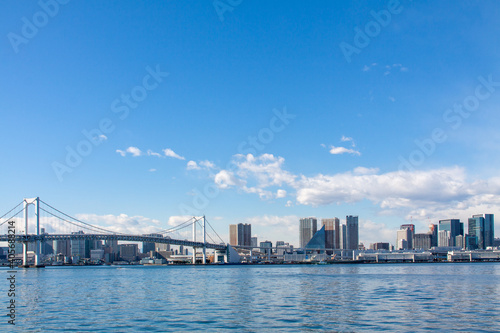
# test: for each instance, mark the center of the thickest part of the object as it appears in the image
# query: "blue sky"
(175, 94)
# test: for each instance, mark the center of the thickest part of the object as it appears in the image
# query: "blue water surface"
(377, 297)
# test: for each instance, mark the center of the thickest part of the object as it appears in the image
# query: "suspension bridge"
(51, 224)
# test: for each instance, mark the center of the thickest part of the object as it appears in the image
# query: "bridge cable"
(12, 210)
(57, 210)
(80, 226)
(7, 220)
(214, 230)
(178, 227)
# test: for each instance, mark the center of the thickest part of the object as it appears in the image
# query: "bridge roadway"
(118, 237)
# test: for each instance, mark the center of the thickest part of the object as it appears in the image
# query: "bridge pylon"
(27, 203)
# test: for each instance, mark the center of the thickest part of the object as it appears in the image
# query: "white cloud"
(342, 150)
(225, 179)
(152, 170)
(121, 152)
(392, 99)
(192, 165)
(280, 193)
(134, 151)
(136, 225)
(289, 203)
(207, 164)
(102, 137)
(152, 153)
(170, 153)
(371, 232)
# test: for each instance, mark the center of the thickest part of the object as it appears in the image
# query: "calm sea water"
(395, 297)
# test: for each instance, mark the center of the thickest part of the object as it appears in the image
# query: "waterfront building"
(422, 241)
(352, 232)
(481, 226)
(343, 237)
(403, 239)
(460, 241)
(240, 234)
(253, 242)
(317, 242)
(97, 254)
(150, 246)
(62, 247)
(433, 231)
(454, 227)
(409, 239)
(379, 246)
(266, 247)
(80, 247)
(307, 228)
(128, 252)
(470, 242)
(444, 239)
(332, 234)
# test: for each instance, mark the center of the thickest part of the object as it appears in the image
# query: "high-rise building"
(240, 234)
(332, 237)
(62, 247)
(343, 237)
(128, 252)
(433, 231)
(481, 226)
(253, 242)
(266, 247)
(454, 227)
(150, 246)
(352, 232)
(444, 239)
(307, 228)
(422, 241)
(233, 234)
(411, 232)
(80, 247)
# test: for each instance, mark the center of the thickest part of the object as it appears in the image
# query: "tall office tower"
(240, 234)
(150, 246)
(307, 228)
(352, 232)
(62, 247)
(244, 234)
(233, 234)
(481, 226)
(444, 238)
(343, 237)
(403, 239)
(329, 225)
(433, 231)
(80, 247)
(411, 228)
(253, 242)
(454, 227)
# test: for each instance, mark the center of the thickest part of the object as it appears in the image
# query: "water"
(395, 297)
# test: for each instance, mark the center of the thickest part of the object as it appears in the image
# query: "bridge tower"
(204, 260)
(194, 240)
(36, 202)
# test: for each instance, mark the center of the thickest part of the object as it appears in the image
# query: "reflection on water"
(403, 297)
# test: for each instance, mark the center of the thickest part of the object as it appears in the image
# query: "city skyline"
(243, 121)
